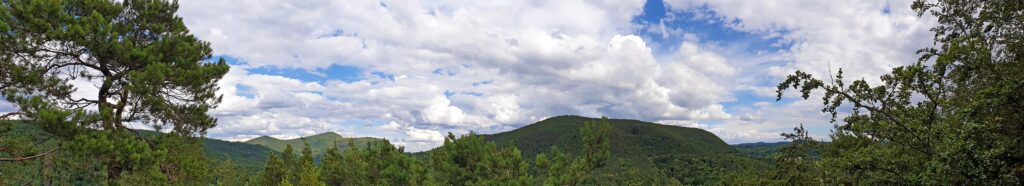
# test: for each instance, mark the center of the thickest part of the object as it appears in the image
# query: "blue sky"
(411, 71)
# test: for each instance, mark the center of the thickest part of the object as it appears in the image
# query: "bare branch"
(11, 114)
(29, 157)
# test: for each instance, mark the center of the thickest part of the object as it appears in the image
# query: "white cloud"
(507, 63)
(865, 38)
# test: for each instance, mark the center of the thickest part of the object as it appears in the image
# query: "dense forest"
(954, 117)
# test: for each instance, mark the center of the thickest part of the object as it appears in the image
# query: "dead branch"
(29, 157)
(10, 114)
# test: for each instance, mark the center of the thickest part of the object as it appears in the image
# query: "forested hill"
(318, 143)
(248, 156)
(629, 137)
(638, 148)
(760, 150)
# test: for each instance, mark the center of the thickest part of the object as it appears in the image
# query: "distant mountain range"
(650, 150)
(639, 148)
(254, 153)
(318, 143)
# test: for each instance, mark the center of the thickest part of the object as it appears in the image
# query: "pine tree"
(596, 142)
(147, 69)
(291, 164)
(564, 169)
(228, 173)
(470, 160)
(274, 171)
(310, 174)
(332, 166)
(285, 182)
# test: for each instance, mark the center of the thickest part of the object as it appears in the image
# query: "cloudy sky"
(412, 71)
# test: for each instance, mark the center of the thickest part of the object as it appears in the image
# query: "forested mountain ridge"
(319, 143)
(628, 136)
(638, 149)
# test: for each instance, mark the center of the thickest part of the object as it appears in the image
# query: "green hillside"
(655, 151)
(244, 154)
(760, 150)
(318, 143)
(26, 138)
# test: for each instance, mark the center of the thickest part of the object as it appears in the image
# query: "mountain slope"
(760, 150)
(318, 143)
(245, 155)
(629, 137)
(655, 151)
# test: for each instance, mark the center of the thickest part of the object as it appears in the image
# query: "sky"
(412, 71)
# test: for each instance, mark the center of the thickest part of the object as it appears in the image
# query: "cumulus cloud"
(428, 68)
(504, 64)
(864, 38)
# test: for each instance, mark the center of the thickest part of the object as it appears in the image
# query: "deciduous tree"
(953, 117)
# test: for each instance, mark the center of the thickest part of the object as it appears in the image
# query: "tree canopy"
(953, 117)
(147, 69)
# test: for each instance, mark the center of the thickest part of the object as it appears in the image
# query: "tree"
(309, 175)
(147, 67)
(953, 117)
(227, 173)
(469, 160)
(291, 164)
(332, 166)
(596, 142)
(794, 163)
(285, 182)
(274, 171)
(563, 169)
(379, 163)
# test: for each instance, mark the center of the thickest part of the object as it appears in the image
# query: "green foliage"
(274, 172)
(333, 166)
(639, 152)
(378, 164)
(227, 172)
(596, 143)
(74, 161)
(148, 70)
(470, 160)
(20, 139)
(291, 164)
(795, 163)
(953, 117)
(247, 157)
(310, 174)
(759, 150)
(563, 170)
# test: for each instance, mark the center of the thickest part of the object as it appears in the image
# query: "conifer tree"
(470, 160)
(147, 69)
(332, 166)
(567, 170)
(285, 182)
(291, 164)
(309, 173)
(274, 171)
